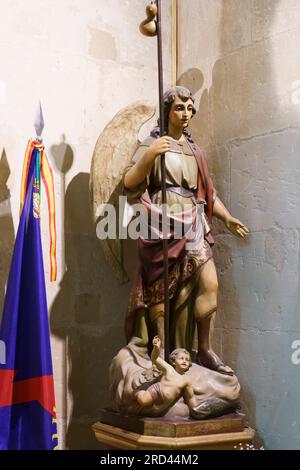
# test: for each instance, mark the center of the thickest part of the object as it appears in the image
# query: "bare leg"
(205, 306)
(144, 398)
(207, 357)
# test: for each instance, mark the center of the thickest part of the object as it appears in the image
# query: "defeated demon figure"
(174, 383)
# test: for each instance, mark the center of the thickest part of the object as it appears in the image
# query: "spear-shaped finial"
(39, 122)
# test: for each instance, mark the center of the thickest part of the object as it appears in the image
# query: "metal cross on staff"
(152, 27)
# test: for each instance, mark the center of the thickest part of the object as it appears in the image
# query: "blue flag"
(27, 404)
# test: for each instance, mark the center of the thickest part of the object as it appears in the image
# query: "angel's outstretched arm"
(234, 225)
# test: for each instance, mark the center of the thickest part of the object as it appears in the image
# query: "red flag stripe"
(39, 389)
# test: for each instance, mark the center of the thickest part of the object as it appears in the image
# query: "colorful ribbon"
(47, 177)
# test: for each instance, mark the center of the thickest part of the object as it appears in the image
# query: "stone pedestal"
(134, 433)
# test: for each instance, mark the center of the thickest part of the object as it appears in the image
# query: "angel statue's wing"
(114, 150)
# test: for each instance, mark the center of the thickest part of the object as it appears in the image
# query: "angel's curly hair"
(169, 97)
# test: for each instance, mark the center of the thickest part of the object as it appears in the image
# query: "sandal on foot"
(215, 363)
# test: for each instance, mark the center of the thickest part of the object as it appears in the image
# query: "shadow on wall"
(88, 314)
(7, 235)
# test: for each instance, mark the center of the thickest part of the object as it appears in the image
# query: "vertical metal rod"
(163, 188)
(174, 42)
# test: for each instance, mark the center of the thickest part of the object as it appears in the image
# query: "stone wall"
(240, 58)
(85, 61)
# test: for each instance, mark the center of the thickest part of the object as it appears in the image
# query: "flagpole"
(150, 27)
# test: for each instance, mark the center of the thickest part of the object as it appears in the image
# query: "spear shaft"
(150, 27)
(163, 188)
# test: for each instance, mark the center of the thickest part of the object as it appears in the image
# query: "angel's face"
(181, 113)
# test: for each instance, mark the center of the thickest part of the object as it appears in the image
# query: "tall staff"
(152, 27)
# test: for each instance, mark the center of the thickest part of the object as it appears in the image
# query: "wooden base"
(134, 433)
